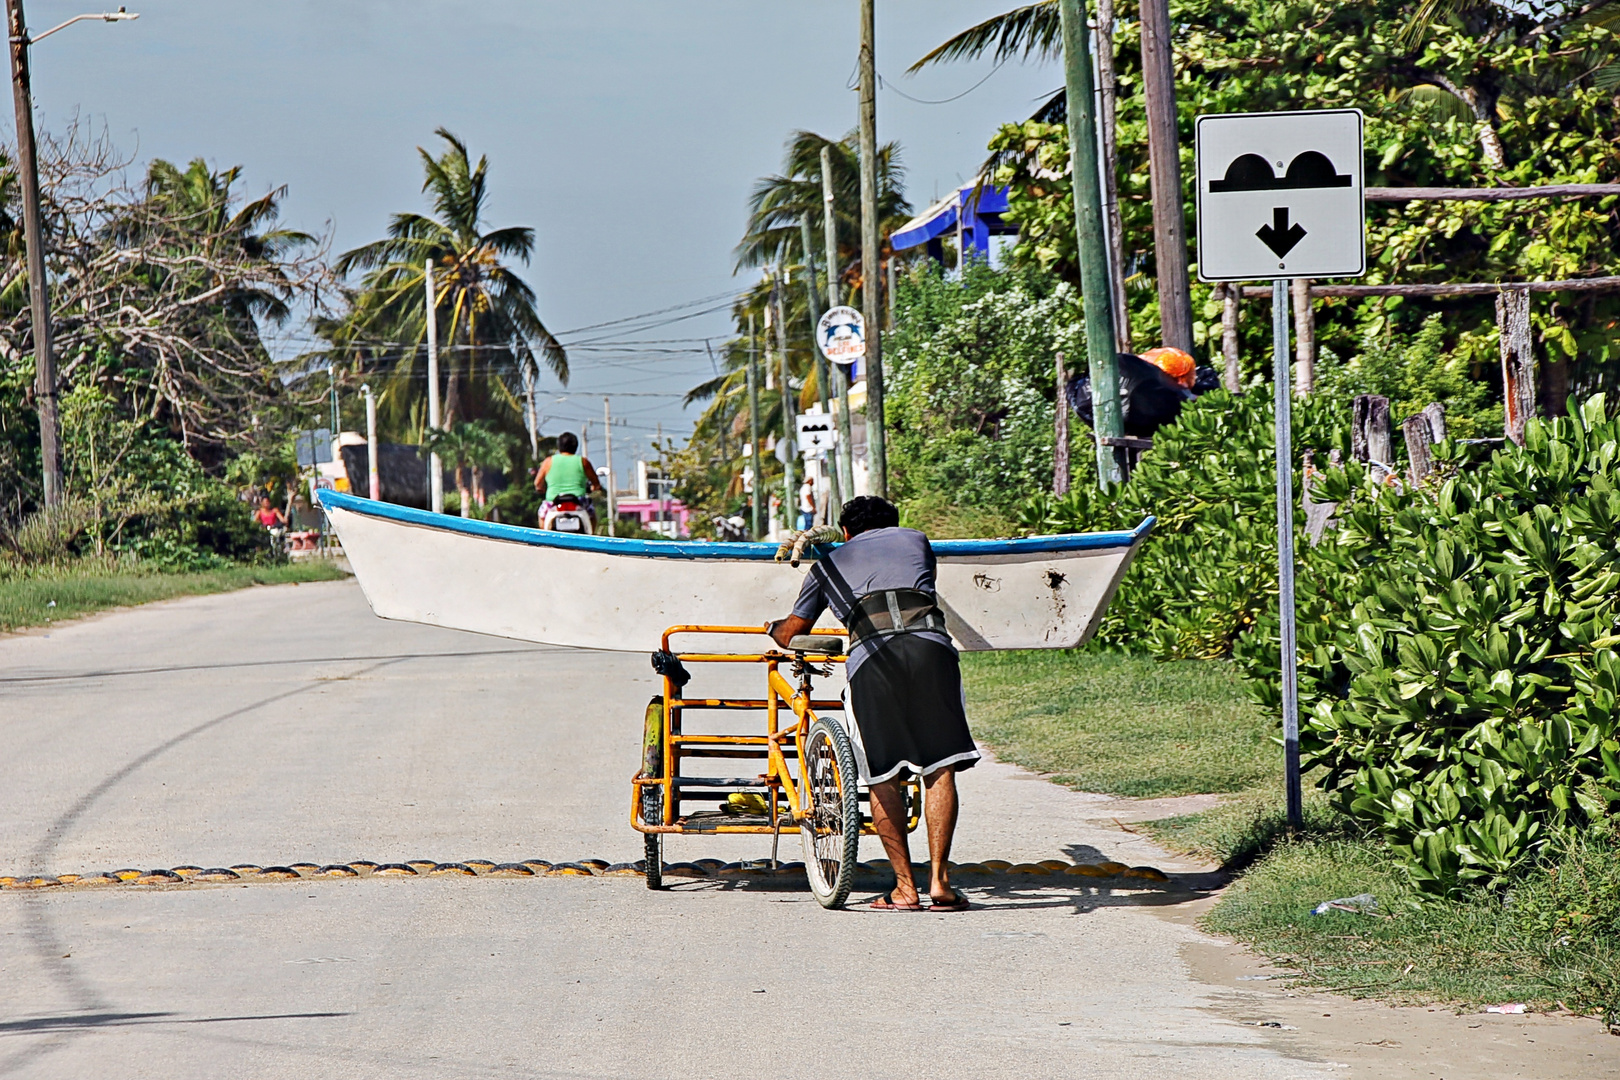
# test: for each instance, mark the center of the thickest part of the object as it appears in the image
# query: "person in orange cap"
(1174, 363)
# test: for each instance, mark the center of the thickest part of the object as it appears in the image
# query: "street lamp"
(50, 433)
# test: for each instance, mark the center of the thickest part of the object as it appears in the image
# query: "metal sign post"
(1311, 164)
(1285, 550)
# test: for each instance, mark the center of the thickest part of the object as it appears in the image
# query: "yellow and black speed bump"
(875, 871)
(447, 869)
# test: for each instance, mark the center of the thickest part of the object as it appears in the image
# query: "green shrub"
(970, 385)
(1209, 569)
(1458, 680)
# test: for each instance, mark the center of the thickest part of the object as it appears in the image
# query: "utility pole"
(45, 397)
(871, 285)
(373, 475)
(1094, 284)
(1108, 97)
(845, 461)
(753, 433)
(812, 300)
(1164, 167)
(435, 469)
(612, 476)
(789, 412)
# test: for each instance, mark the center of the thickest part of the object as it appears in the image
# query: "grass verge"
(37, 596)
(1125, 725)
(1131, 726)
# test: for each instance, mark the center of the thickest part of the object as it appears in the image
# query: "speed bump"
(159, 877)
(452, 869)
(570, 869)
(509, 869)
(702, 868)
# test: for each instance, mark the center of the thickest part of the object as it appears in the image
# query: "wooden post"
(1108, 97)
(1369, 433)
(1164, 171)
(812, 303)
(1232, 378)
(845, 458)
(1060, 433)
(877, 456)
(1518, 362)
(1304, 339)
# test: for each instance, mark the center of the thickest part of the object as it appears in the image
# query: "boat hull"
(603, 593)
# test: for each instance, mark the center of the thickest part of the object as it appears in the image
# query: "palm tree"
(489, 328)
(468, 447)
(189, 211)
(779, 202)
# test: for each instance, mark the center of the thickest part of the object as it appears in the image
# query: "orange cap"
(1174, 363)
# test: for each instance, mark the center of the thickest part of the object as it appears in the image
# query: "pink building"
(668, 516)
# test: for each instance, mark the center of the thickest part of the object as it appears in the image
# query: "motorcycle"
(567, 513)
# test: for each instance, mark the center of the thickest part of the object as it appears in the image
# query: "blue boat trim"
(686, 549)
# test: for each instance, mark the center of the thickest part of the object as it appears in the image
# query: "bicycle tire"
(652, 813)
(831, 832)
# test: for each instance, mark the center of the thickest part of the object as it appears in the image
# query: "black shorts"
(909, 713)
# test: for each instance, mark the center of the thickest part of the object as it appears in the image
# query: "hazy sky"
(626, 132)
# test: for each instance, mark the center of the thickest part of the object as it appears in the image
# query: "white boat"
(598, 592)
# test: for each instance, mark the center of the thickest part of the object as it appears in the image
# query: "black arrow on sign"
(1280, 236)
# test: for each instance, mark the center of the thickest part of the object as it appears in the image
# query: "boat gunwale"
(758, 551)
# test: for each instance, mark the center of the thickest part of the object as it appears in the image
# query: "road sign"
(817, 433)
(841, 334)
(1280, 196)
(313, 447)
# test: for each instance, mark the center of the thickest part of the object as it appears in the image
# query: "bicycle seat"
(816, 643)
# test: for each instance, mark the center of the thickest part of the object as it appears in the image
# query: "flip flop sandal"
(886, 903)
(959, 904)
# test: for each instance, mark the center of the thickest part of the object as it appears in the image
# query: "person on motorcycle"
(567, 472)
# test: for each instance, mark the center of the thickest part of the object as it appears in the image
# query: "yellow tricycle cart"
(809, 781)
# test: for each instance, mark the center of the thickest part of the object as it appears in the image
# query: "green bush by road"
(1133, 726)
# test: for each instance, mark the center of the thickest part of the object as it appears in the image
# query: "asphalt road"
(287, 724)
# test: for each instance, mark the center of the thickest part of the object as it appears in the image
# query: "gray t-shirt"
(873, 560)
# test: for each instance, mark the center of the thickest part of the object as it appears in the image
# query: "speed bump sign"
(1280, 195)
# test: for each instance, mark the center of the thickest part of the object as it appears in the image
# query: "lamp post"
(50, 424)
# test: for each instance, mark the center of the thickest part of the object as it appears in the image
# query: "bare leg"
(890, 819)
(941, 809)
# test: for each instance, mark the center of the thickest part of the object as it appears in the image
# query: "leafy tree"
(488, 323)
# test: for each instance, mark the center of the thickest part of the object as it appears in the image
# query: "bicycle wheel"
(831, 832)
(652, 813)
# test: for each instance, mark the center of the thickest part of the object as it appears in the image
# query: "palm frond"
(1031, 30)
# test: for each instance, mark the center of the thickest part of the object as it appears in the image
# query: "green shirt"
(566, 476)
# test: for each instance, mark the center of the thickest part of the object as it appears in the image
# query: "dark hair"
(568, 443)
(865, 512)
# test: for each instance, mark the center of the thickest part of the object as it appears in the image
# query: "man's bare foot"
(948, 900)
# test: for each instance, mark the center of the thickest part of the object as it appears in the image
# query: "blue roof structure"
(978, 208)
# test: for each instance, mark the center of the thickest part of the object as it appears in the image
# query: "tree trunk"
(1518, 362)
(1305, 338)
(1164, 174)
(1232, 379)
(461, 489)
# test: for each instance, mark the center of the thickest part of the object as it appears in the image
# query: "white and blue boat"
(599, 592)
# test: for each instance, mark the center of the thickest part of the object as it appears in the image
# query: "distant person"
(268, 516)
(905, 685)
(567, 472)
(807, 504)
